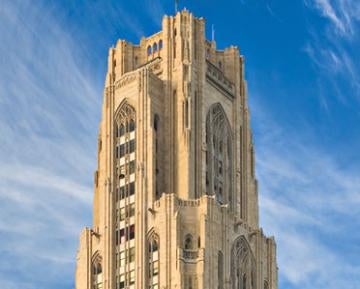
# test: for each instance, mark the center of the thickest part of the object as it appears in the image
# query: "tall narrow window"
(243, 265)
(186, 114)
(97, 275)
(124, 188)
(188, 242)
(155, 47)
(156, 154)
(220, 270)
(153, 262)
(219, 163)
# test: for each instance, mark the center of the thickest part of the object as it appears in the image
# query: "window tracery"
(243, 267)
(219, 167)
(97, 273)
(124, 191)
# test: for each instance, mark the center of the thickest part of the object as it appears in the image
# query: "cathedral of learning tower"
(175, 193)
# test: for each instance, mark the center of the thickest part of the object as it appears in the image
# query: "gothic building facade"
(175, 199)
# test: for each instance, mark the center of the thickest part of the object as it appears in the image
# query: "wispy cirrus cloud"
(306, 201)
(331, 50)
(49, 107)
(343, 14)
(50, 103)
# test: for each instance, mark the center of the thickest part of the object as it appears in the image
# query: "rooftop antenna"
(212, 33)
(176, 6)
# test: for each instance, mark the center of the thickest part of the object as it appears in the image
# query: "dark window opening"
(156, 122)
(188, 242)
(121, 130)
(122, 150)
(131, 188)
(131, 125)
(131, 231)
(132, 146)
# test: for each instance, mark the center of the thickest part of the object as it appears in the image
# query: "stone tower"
(175, 200)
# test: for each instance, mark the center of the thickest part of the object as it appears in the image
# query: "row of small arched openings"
(157, 46)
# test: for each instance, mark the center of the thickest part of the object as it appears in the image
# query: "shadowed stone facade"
(175, 200)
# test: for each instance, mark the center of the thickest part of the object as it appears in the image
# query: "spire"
(212, 33)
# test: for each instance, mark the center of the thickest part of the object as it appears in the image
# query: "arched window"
(220, 64)
(124, 188)
(97, 269)
(243, 265)
(155, 47)
(160, 44)
(266, 285)
(219, 161)
(97, 275)
(188, 244)
(153, 262)
(149, 50)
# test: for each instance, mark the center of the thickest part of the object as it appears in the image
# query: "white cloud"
(328, 11)
(50, 105)
(330, 50)
(49, 110)
(343, 14)
(309, 204)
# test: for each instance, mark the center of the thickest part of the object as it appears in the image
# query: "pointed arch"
(219, 155)
(153, 259)
(124, 113)
(97, 270)
(243, 265)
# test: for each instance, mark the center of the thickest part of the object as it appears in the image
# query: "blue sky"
(302, 67)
